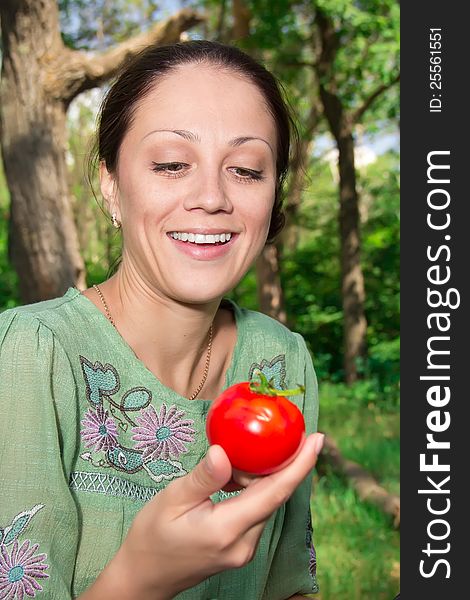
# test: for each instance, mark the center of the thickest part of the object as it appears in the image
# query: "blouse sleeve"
(293, 570)
(38, 515)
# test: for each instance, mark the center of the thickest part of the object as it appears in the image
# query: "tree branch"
(241, 20)
(357, 114)
(289, 237)
(300, 159)
(329, 44)
(366, 487)
(298, 64)
(221, 22)
(72, 72)
(369, 43)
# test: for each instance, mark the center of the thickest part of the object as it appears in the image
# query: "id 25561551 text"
(435, 69)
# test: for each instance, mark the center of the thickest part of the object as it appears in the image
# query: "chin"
(198, 287)
(200, 296)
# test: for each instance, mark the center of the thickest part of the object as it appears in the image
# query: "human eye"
(172, 169)
(247, 175)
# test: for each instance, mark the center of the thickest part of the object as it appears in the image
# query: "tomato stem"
(263, 386)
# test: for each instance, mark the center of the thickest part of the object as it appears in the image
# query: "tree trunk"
(270, 295)
(341, 126)
(43, 244)
(289, 237)
(40, 77)
(352, 278)
(241, 20)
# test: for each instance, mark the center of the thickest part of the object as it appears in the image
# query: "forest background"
(333, 274)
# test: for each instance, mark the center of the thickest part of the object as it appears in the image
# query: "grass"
(357, 547)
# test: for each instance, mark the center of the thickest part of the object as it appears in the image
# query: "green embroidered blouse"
(88, 435)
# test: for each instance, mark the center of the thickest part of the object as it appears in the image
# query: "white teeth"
(201, 238)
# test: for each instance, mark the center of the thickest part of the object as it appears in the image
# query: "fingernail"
(319, 443)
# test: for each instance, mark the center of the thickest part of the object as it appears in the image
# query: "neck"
(171, 338)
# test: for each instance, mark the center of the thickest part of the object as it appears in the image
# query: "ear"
(108, 188)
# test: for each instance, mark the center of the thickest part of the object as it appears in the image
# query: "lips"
(203, 251)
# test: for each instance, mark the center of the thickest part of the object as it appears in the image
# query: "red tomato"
(260, 432)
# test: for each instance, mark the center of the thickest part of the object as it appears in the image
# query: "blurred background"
(333, 274)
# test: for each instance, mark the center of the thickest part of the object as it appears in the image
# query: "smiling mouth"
(218, 239)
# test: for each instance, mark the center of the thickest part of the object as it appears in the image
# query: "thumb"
(209, 476)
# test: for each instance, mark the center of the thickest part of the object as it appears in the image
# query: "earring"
(115, 221)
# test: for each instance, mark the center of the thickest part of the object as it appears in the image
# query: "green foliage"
(100, 243)
(245, 292)
(99, 24)
(285, 36)
(368, 34)
(311, 274)
(274, 25)
(348, 411)
(357, 548)
(9, 292)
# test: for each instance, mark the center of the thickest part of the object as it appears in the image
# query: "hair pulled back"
(145, 70)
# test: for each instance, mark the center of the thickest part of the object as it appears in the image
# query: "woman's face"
(197, 165)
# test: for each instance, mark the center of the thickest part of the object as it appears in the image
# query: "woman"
(109, 487)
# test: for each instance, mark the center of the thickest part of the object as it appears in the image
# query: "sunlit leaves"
(99, 24)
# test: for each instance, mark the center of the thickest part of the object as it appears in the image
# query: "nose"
(209, 193)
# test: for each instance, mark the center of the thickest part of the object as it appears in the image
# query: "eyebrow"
(192, 137)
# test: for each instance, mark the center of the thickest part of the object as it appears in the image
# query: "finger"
(252, 535)
(262, 497)
(242, 478)
(209, 476)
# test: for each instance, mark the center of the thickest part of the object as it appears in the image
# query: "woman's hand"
(180, 537)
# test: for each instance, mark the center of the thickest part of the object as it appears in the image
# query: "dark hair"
(144, 71)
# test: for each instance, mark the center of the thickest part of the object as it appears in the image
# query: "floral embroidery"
(312, 562)
(309, 530)
(162, 435)
(100, 380)
(134, 400)
(125, 459)
(20, 570)
(19, 523)
(99, 430)
(157, 437)
(163, 469)
(274, 370)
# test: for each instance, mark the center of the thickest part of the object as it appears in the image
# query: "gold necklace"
(209, 346)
